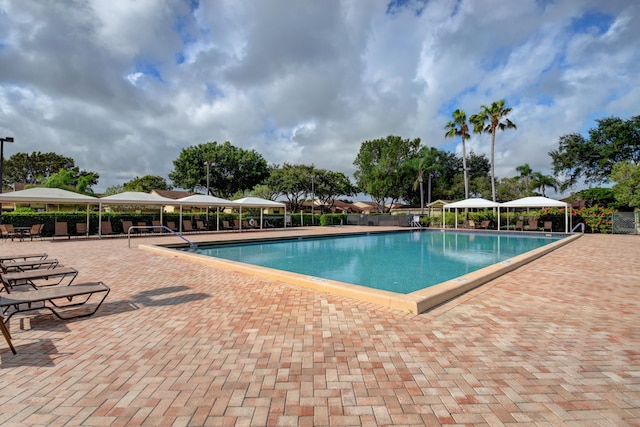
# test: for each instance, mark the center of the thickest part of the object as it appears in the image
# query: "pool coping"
(415, 302)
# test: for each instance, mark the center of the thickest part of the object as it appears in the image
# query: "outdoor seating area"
(32, 282)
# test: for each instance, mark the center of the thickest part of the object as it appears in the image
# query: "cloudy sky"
(121, 86)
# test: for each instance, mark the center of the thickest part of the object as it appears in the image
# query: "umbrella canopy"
(47, 195)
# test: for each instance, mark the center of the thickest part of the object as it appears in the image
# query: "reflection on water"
(401, 262)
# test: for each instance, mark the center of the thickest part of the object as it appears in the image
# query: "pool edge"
(414, 302)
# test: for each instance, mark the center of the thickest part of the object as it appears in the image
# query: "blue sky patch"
(592, 21)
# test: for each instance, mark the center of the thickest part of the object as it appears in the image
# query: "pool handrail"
(581, 225)
(164, 227)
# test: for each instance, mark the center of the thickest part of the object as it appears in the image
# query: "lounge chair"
(61, 230)
(547, 226)
(126, 225)
(106, 229)
(187, 226)
(143, 227)
(484, 224)
(8, 231)
(533, 225)
(81, 229)
(37, 278)
(226, 225)
(50, 299)
(16, 266)
(267, 224)
(35, 231)
(172, 226)
(200, 226)
(519, 226)
(469, 224)
(246, 225)
(156, 224)
(24, 257)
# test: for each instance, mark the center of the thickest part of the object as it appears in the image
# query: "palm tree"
(489, 120)
(459, 127)
(526, 175)
(541, 182)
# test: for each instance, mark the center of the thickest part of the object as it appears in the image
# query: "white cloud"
(123, 86)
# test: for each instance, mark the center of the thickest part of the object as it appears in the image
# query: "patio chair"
(35, 231)
(32, 264)
(547, 226)
(484, 224)
(105, 228)
(143, 227)
(61, 230)
(172, 226)
(81, 229)
(533, 225)
(156, 226)
(187, 226)
(126, 225)
(519, 226)
(37, 278)
(7, 231)
(57, 299)
(200, 226)
(23, 257)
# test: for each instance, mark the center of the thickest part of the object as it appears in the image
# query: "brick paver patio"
(179, 343)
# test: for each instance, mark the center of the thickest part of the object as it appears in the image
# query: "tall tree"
(71, 180)
(35, 168)
(459, 127)
(542, 182)
(329, 185)
(490, 120)
(146, 184)
(380, 168)
(231, 169)
(293, 182)
(592, 159)
(626, 175)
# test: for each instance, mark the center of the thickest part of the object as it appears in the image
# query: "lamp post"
(313, 198)
(2, 141)
(208, 165)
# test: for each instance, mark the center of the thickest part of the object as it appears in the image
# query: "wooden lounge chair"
(61, 230)
(519, 226)
(484, 224)
(547, 226)
(172, 226)
(57, 299)
(143, 227)
(200, 226)
(156, 224)
(533, 225)
(126, 225)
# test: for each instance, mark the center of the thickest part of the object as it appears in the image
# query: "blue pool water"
(401, 262)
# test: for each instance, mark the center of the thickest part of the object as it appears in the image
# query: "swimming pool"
(401, 262)
(417, 301)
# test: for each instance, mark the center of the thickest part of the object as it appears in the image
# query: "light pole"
(208, 165)
(2, 141)
(313, 198)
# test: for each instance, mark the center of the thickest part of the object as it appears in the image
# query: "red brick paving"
(179, 343)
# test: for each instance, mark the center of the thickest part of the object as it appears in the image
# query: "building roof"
(173, 194)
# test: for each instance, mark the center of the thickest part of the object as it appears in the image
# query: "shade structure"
(135, 198)
(48, 195)
(257, 202)
(539, 202)
(52, 196)
(473, 203)
(204, 200)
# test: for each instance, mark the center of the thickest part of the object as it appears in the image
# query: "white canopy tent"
(134, 198)
(539, 202)
(49, 196)
(473, 203)
(257, 202)
(205, 201)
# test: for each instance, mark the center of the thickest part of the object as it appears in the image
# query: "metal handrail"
(164, 227)
(581, 225)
